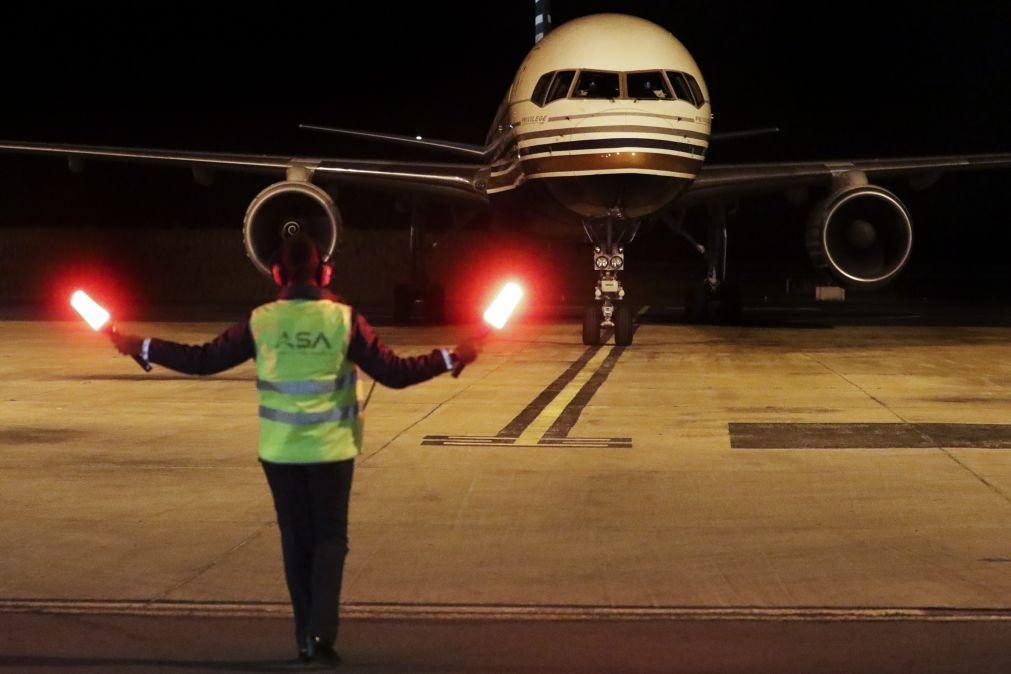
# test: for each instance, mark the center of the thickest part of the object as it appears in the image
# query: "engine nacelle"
(862, 235)
(285, 209)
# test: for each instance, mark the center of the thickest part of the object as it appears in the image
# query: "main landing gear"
(609, 309)
(418, 298)
(714, 300)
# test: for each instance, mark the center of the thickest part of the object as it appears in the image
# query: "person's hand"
(464, 354)
(128, 345)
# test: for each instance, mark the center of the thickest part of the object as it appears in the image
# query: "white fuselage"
(610, 112)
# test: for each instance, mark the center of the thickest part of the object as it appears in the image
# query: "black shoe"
(324, 654)
(304, 655)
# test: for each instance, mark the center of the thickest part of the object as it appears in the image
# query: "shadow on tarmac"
(160, 664)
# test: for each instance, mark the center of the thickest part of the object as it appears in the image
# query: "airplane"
(608, 117)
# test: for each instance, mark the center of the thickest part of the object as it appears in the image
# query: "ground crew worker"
(306, 345)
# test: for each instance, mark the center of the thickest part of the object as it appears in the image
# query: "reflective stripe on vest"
(303, 418)
(306, 384)
(307, 387)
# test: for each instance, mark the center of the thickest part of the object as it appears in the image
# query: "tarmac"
(777, 497)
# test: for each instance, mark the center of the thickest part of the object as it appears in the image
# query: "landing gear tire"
(591, 325)
(729, 310)
(720, 308)
(623, 328)
(435, 304)
(696, 303)
(402, 302)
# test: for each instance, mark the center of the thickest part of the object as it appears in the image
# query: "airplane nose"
(636, 194)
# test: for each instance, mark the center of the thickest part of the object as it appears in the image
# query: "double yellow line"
(549, 415)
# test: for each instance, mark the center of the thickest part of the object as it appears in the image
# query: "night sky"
(864, 80)
(842, 80)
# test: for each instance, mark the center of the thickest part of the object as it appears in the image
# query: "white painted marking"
(511, 612)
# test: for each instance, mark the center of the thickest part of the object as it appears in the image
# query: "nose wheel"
(610, 311)
(595, 326)
(592, 319)
(623, 328)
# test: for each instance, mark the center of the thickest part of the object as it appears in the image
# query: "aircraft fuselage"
(610, 113)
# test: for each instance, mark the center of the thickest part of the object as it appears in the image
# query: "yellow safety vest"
(308, 387)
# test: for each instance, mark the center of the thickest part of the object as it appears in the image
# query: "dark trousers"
(311, 501)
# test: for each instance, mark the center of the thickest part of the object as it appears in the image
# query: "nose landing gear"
(610, 309)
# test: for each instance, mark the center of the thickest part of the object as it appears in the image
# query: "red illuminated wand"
(497, 314)
(98, 318)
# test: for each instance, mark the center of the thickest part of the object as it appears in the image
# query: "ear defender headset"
(324, 274)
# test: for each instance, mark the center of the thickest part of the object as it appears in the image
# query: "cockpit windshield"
(552, 86)
(696, 90)
(649, 86)
(595, 84)
(686, 88)
(541, 90)
(560, 85)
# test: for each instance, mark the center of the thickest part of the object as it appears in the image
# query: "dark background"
(842, 80)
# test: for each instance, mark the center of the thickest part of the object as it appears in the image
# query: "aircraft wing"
(732, 180)
(456, 181)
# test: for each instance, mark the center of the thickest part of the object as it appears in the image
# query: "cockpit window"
(696, 90)
(594, 84)
(653, 85)
(541, 89)
(680, 85)
(560, 86)
(650, 86)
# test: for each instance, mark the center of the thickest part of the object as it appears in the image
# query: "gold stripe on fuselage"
(612, 162)
(622, 159)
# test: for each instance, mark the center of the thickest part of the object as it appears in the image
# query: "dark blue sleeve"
(232, 347)
(382, 364)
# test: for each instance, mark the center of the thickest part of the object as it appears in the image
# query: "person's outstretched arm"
(232, 347)
(380, 362)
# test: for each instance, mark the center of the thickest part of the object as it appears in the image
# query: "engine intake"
(862, 236)
(283, 210)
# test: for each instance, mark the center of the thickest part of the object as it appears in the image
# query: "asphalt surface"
(779, 496)
(55, 643)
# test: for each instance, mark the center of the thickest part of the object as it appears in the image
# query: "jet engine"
(861, 235)
(283, 210)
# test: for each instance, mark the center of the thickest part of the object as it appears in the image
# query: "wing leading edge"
(455, 181)
(733, 180)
